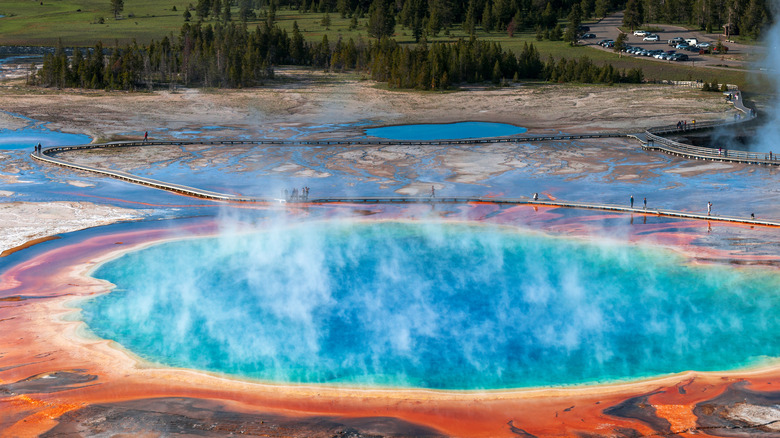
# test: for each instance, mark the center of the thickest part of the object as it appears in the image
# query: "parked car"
(704, 45)
(679, 57)
(588, 36)
(692, 41)
(640, 33)
(603, 42)
(682, 46)
(675, 41)
(651, 37)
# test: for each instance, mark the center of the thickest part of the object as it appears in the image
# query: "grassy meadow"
(82, 23)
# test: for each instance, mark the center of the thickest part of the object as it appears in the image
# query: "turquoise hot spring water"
(443, 305)
(445, 131)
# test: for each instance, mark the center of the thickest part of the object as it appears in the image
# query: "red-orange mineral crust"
(55, 381)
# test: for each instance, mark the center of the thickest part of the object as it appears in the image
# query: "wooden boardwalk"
(652, 139)
(356, 142)
(528, 201)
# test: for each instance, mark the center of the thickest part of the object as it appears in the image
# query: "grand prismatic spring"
(317, 318)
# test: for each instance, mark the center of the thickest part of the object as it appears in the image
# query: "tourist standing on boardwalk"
(146, 135)
(632, 201)
(645, 201)
(433, 192)
(709, 208)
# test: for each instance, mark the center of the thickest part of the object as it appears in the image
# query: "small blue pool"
(30, 136)
(445, 131)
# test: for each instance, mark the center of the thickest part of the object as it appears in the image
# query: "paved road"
(739, 55)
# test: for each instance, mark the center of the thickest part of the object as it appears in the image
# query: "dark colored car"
(588, 36)
(675, 41)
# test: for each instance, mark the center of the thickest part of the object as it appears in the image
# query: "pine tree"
(116, 7)
(381, 20)
(549, 17)
(620, 43)
(497, 75)
(245, 10)
(202, 9)
(226, 15)
(632, 17)
(487, 17)
(602, 8)
(573, 26)
(216, 8)
(587, 7)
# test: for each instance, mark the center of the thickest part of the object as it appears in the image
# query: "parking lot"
(738, 55)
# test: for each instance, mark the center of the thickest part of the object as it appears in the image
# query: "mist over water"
(433, 305)
(768, 134)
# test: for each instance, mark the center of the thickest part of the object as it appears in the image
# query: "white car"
(651, 37)
(704, 45)
(640, 32)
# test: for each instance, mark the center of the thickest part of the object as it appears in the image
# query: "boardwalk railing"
(355, 142)
(656, 141)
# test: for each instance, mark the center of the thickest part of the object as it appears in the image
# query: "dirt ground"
(304, 98)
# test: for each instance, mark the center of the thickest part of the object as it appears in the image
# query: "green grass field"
(75, 22)
(42, 23)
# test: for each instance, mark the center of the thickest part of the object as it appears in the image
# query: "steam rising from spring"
(430, 304)
(769, 133)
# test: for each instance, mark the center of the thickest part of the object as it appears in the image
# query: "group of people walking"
(682, 125)
(644, 202)
(38, 148)
(296, 195)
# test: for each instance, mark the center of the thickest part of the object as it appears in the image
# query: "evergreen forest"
(217, 48)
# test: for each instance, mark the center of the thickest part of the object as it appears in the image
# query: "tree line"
(545, 17)
(741, 17)
(229, 55)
